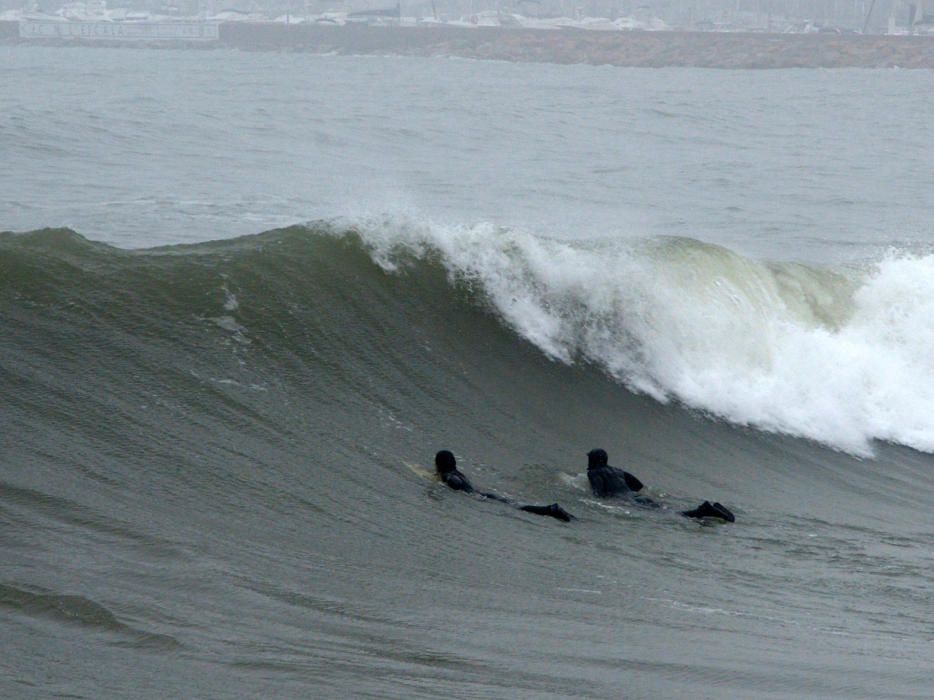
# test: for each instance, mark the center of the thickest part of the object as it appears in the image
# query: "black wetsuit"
(607, 481)
(610, 482)
(457, 481)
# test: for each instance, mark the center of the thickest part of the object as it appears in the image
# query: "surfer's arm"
(458, 483)
(632, 482)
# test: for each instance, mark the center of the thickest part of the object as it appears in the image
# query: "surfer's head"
(445, 462)
(597, 458)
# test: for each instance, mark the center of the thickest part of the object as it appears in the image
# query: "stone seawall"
(638, 49)
(647, 49)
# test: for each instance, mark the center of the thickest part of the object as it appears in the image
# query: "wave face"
(204, 453)
(843, 357)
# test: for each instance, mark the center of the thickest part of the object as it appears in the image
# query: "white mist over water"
(843, 357)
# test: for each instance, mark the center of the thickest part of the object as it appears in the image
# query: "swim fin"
(552, 511)
(710, 510)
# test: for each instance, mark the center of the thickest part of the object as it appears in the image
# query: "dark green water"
(203, 493)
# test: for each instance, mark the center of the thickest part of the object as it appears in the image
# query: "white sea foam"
(841, 357)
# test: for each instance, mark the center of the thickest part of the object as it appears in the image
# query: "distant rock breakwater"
(638, 49)
(569, 46)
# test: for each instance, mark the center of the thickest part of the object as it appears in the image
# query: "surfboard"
(421, 471)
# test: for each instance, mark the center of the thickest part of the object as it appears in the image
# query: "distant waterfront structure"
(778, 16)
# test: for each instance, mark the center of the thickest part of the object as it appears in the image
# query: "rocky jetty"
(617, 48)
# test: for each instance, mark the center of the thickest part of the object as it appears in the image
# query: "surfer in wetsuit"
(446, 466)
(610, 482)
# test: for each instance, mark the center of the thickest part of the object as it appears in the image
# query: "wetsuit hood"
(597, 458)
(445, 462)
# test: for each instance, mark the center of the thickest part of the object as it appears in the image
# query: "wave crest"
(840, 356)
(843, 357)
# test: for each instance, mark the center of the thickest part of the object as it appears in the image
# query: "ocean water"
(245, 297)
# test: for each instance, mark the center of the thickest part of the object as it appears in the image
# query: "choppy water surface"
(723, 278)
